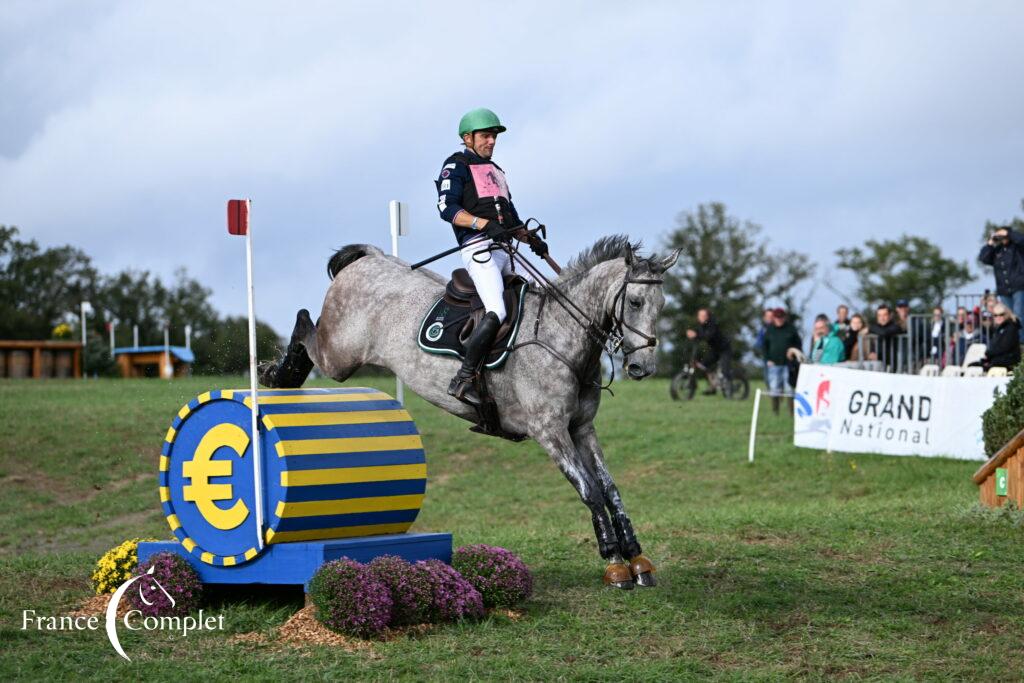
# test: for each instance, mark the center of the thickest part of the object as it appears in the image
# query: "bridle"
(611, 340)
(619, 318)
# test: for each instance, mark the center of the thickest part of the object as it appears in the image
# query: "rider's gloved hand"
(538, 246)
(494, 230)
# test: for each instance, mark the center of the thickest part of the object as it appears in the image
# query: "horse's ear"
(630, 256)
(669, 260)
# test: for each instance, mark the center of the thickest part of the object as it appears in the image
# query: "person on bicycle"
(717, 349)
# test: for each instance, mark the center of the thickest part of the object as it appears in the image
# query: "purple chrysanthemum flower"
(411, 589)
(350, 599)
(501, 577)
(172, 577)
(453, 598)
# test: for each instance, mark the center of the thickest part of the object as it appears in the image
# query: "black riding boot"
(477, 346)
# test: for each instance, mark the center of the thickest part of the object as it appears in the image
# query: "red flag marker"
(238, 216)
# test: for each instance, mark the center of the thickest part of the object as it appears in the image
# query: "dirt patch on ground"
(765, 538)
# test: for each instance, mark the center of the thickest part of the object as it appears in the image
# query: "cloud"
(125, 126)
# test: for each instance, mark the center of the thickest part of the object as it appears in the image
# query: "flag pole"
(257, 465)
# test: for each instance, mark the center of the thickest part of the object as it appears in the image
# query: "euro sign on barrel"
(343, 472)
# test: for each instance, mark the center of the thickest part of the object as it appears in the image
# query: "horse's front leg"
(589, 449)
(558, 444)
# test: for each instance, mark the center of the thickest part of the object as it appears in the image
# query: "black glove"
(538, 246)
(494, 230)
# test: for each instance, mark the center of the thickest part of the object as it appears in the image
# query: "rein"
(611, 340)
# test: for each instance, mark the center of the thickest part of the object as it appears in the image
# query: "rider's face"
(702, 316)
(481, 142)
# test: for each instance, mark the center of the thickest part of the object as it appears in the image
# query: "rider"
(718, 348)
(473, 196)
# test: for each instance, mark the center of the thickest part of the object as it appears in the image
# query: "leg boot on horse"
(293, 369)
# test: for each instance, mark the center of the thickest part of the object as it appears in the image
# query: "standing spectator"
(766, 323)
(938, 335)
(917, 331)
(854, 349)
(887, 331)
(842, 323)
(1003, 351)
(1004, 251)
(965, 337)
(986, 322)
(826, 347)
(902, 314)
(778, 339)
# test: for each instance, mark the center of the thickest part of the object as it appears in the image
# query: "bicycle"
(684, 384)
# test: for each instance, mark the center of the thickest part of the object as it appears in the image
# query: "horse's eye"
(635, 304)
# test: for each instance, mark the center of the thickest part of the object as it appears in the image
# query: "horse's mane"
(604, 249)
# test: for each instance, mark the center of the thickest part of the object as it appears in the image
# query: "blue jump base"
(295, 563)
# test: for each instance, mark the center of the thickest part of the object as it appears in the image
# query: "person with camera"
(1004, 251)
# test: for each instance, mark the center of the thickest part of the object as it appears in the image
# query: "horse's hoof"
(618, 575)
(645, 580)
(642, 572)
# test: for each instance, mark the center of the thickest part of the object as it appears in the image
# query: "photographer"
(1004, 251)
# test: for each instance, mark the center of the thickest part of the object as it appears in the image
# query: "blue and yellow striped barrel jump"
(336, 463)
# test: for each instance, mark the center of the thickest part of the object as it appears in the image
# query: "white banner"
(857, 411)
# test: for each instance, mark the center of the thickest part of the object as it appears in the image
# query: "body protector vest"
(485, 192)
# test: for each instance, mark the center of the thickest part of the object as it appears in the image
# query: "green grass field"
(804, 564)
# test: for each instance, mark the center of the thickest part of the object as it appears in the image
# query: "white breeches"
(487, 276)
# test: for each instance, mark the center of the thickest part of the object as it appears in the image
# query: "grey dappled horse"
(371, 316)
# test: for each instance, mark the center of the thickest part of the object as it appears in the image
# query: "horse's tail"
(348, 255)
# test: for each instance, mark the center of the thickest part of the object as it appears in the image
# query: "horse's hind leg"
(585, 439)
(562, 450)
(294, 367)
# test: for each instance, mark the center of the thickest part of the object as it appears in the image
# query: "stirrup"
(464, 390)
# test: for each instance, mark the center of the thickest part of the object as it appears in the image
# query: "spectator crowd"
(892, 338)
(899, 341)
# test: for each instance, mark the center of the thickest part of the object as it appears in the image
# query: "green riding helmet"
(480, 119)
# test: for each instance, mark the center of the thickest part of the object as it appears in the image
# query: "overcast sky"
(125, 126)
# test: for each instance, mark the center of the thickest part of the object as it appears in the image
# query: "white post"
(135, 336)
(188, 337)
(399, 215)
(753, 425)
(112, 326)
(86, 307)
(257, 465)
(168, 366)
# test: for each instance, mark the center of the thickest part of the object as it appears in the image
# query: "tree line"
(40, 288)
(725, 264)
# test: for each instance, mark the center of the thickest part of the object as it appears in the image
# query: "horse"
(549, 389)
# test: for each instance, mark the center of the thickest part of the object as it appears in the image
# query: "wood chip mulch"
(96, 606)
(303, 629)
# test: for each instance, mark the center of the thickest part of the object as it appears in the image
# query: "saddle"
(453, 317)
(450, 322)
